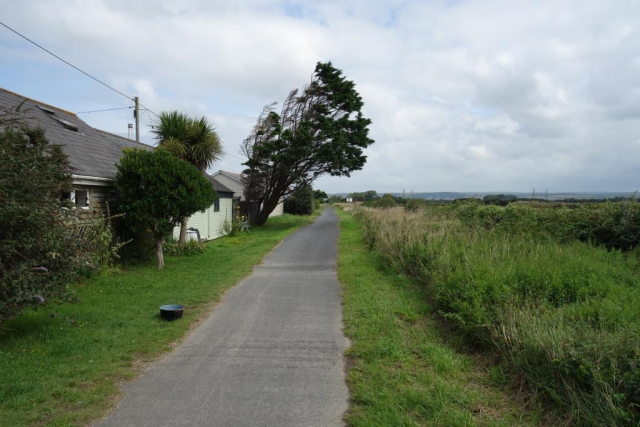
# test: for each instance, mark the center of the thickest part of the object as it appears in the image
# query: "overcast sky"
(480, 95)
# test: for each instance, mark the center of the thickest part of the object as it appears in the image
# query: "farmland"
(549, 292)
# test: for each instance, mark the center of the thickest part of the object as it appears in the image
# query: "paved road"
(269, 355)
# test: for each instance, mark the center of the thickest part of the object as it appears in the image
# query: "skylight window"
(46, 110)
(67, 124)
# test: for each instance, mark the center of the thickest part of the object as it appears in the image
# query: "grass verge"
(403, 370)
(65, 370)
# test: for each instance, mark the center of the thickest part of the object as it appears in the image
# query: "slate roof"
(91, 152)
(232, 175)
(220, 189)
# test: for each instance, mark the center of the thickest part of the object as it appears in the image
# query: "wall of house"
(209, 223)
(231, 184)
(279, 210)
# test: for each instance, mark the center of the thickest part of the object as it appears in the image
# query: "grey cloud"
(464, 95)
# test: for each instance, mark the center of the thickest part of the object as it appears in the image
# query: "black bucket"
(171, 311)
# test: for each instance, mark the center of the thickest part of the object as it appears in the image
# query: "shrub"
(40, 254)
(384, 202)
(414, 205)
(191, 248)
(301, 202)
(156, 190)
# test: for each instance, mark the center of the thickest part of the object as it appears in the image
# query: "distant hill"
(452, 195)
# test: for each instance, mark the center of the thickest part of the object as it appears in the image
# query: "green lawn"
(404, 369)
(65, 370)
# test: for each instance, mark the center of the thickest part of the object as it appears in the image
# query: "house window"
(216, 205)
(80, 198)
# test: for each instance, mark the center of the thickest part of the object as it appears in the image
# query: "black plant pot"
(171, 311)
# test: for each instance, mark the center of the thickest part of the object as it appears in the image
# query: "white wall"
(231, 184)
(279, 210)
(209, 222)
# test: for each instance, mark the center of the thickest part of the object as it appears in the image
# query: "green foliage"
(157, 190)
(190, 139)
(405, 369)
(301, 202)
(387, 201)
(561, 313)
(191, 248)
(41, 250)
(498, 199)
(367, 196)
(320, 130)
(320, 195)
(336, 199)
(414, 205)
(612, 225)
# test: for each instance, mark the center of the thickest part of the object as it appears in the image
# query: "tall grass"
(561, 314)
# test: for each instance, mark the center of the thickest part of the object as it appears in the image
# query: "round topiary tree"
(157, 190)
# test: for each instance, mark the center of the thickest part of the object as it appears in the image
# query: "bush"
(561, 314)
(41, 251)
(191, 248)
(612, 225)
(300, 202)
(156, 190)
(414, 205)
(384, 202)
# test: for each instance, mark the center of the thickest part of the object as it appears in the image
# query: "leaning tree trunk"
(267, 207)
(183, 231)
(159, 254)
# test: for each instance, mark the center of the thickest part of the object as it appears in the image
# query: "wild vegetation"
(45, 241)
(405, 370)
(553, 293)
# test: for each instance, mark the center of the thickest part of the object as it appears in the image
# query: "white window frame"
(72, 197)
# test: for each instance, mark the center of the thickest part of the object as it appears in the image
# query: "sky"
(477, 95)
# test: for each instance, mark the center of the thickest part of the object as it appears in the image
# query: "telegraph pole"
(136, 114)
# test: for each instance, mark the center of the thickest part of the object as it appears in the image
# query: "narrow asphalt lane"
(271, 354)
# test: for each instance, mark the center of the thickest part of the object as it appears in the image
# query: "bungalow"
(234, 181)
(93, 154)
(209, 223)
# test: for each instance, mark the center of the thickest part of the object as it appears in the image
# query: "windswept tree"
(157, 190)
(320, 130)
(190, 139)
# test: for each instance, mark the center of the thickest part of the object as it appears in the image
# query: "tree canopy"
(320, 130)
(191, 139)
(156, 190)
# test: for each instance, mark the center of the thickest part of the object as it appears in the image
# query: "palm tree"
(193, 140)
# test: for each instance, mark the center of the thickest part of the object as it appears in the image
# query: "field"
(551, 294)
(62, 366)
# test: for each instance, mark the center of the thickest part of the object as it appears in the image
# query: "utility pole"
(136, 114)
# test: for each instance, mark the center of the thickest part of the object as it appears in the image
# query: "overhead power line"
(66, 62)
(108, 109)
(135, 99)
(148, 109)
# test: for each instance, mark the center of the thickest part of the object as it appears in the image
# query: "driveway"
(269, 355)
